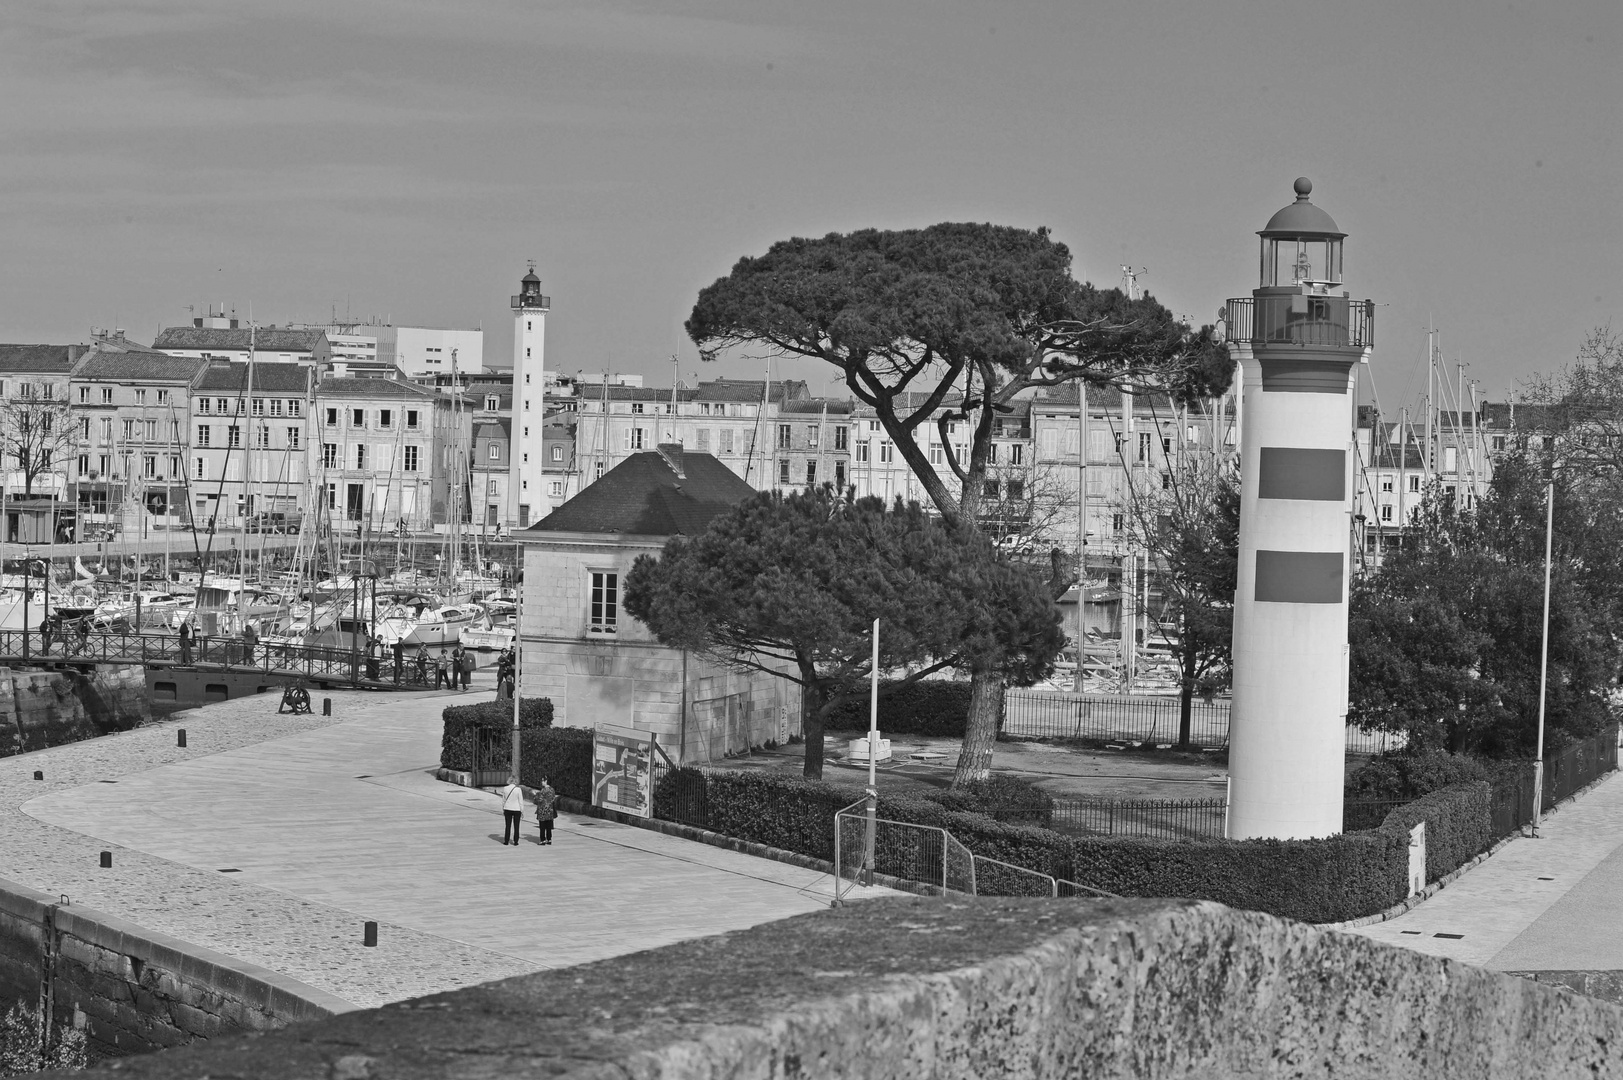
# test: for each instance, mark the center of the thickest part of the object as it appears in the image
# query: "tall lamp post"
(1544, 657)
(518, 642)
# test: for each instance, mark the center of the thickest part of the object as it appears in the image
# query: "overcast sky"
(403, 159)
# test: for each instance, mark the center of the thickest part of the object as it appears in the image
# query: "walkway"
(272, 838)
(1538, 905)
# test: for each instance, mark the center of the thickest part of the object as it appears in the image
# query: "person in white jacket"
(512, 811)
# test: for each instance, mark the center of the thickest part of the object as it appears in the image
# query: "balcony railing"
(1301, 319)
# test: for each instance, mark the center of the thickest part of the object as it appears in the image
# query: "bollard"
(370, 934)
(106, 859)
(180, 736)
(326, 706)
(39, 774)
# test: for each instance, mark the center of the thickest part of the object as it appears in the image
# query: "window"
(839, 475)
(357, 418)
(140, 397)
(149, 428)
(704, 408)
(149, 465)
(634, 438)
(1386, 513)
(1166, 481)
(991, 453)
(557, 489)
(492, 403)
(174, 431)
(295, 407)
(1015, 489)
(1386, 483)
(201, 469)
(936, 456)
(557, 454)
(360, 456)
(411, 459)
(604, 613)
(862, 451)
(292, 438)
(332, 417)
(783, 471)
(84, 428)
(276, 406)
(1016, 452)
(84, 465)
(841, 436)
(84, 395)
(1073, 442)
(1414, 483)
(495, 451)
(1166, 447)
(107, 395)
(886, 451)
(262, 437)
(1049, 441)
(411, 419)
(989, 489)
(724, 441)
(385, 419)
(811, 473)
(636, 406)
(106, 431)
(129, 430)
(329, 455)
(812, 436)
(783, 436)
(526, 431)
(233, 435)
(701, 440)
(203, 435)
(223, 406)
(332, 496)
(1116, 522)
(1143, 446)
(259, 406)
(490, 488)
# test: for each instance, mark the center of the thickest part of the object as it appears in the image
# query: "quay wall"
(964, 987)
(42, 708)
(132, 990)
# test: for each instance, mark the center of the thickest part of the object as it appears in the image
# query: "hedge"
(1340, 877)
(563, 756)
(1459, 825)
(460, 722)
(929, 707)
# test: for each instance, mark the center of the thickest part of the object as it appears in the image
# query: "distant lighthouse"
(1297, 339)
(527, 498)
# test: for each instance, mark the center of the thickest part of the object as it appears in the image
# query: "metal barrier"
(1047, 714)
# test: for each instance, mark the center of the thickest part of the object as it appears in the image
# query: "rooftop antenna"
(1129, 281)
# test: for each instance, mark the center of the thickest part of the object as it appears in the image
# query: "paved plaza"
(1545, 904)
(273, 838)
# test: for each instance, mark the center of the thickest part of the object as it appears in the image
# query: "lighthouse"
(527, 498)
(1297, 339)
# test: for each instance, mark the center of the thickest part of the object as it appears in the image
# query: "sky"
(403, 160)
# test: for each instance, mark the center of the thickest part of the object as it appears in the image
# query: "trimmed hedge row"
(461, 721)
(1329, 880)
(929, 707)
(561, 756)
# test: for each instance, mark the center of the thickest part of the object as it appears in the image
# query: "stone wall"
(48, 708)
(988, 987)
(133, 990)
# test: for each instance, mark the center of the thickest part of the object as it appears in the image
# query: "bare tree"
(36, 431)
(1581, 407)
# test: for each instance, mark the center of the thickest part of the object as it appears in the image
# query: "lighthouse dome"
(1301, 218)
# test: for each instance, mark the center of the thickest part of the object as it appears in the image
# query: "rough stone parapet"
(967, 987)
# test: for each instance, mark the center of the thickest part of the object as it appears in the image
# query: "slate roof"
(121, 361)
(838, 408)
(40, 359)
(348, 386)
(268, 377)
(266, 339)
(500, 428)
(644, 496)
(746, 390)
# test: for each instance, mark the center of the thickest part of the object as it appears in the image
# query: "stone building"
(387, 452)
(34, 392)
(601, 667)
(250, 447)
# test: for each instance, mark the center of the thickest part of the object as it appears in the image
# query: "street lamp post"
(1544, 658)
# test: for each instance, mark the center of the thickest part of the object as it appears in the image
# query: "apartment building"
(35, 417)
(131, 412)
(1401, 461)
(250, 447)
(386, 451)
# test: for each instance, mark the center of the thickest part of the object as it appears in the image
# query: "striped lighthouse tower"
(1297, 340)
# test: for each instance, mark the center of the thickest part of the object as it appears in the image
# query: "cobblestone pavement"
(326, 822)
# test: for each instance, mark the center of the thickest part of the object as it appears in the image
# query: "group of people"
(546, 810)
(55, 628)
(453, 669)
(506, 674)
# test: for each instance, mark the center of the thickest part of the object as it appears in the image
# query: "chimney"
(233, 324)
(198, 322)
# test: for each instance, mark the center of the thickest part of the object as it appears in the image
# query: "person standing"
(546, 809)
(512, 811)
(250, 638)
(465, 665)
(186, 641)
(374, 649)
(441, 671)
(399, 649)
(422, 663)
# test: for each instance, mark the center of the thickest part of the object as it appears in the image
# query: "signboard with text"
(622, 773)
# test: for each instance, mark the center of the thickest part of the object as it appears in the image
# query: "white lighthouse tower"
(527, 497)
(1297, 339)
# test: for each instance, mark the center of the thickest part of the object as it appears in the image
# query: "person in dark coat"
(399, 649)
(464, 663)
(186, 642)
(546, 809)
(442, 671)
(250, 639)
(422, 664)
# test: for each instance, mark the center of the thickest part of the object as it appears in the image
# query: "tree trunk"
(980, 733)
(811, 725)
(1186, 698)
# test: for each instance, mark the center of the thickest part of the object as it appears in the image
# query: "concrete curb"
(705, 836)
(1447, 879)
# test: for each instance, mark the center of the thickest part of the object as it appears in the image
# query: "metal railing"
(283, 661)
(926, 854)
(1302, 319)
(1048, 714)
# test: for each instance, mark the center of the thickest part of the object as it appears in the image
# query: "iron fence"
(1302, 320)
(1047, 714)
(1566, 771)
